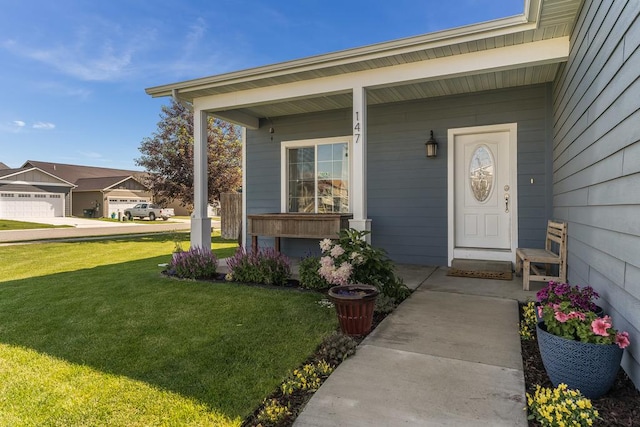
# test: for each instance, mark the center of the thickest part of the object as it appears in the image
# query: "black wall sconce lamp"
(432, 147)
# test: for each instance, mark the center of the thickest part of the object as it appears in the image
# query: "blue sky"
(73, 72)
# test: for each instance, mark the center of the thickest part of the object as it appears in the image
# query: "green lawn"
(6, 224)
(92, 334)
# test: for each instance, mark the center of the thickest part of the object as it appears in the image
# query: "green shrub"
(309, 276)
(351, 259)
(336, 348)
(196, 263)
(265, 266)
(385, 304)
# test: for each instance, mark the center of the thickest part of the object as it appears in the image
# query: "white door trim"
(486, 254)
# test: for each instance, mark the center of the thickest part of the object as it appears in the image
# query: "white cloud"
(194, 36)
(44, 125)
(102, 51)
(90, 154)
(14, 126)
(61, 89)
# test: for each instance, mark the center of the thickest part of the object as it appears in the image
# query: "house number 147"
(357, 128)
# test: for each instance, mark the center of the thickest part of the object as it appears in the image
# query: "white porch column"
(358, 196)
(200, 221)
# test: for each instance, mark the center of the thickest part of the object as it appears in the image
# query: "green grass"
(92, 334)
(6, 224)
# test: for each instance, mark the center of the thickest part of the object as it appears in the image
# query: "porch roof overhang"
(520, 50)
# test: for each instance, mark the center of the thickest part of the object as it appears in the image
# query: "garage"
(16, 205)
(120, 204)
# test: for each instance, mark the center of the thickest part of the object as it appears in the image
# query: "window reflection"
(318, 178)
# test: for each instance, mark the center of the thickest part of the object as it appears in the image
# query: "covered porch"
(516, 52)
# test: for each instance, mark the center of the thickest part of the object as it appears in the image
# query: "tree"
(167, 156)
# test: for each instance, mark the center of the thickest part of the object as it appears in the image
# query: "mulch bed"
(619, 407)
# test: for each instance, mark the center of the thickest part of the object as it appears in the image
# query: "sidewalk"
(93, 228)
(445, 357)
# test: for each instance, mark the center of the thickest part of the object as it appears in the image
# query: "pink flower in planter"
(576, 315)
(336, 251)
(540, 310)
(600, 326)
(342, 274)
(561, 317)
(326, 261)
(622, 339)
(325, 244)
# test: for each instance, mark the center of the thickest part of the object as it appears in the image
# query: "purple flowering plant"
(264, 266)
(196, 263)
(578, 297)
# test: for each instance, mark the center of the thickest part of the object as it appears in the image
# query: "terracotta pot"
(590, 368)
(354, 305)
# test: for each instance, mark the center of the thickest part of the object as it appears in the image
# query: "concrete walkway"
(448, 356)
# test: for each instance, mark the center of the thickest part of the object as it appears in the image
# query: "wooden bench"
(528, 261)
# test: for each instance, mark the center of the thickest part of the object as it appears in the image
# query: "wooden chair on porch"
(529, 261)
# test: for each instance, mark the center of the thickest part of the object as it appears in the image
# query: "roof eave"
(523, 22)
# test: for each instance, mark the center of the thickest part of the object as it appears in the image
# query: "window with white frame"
(316, 175)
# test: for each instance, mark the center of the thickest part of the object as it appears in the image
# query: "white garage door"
(31, 205)
(119, 205)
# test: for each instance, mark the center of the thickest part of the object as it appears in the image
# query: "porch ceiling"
(453, 86)
(543, 20)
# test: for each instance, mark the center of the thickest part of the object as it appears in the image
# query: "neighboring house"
(3, 166)
(536, 116)
(30, 192)
(108, 196)
(99, 192)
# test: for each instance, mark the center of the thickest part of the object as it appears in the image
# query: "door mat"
(479, 274)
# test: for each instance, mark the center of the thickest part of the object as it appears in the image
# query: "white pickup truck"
(144, 210)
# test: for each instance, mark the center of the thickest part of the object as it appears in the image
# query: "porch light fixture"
(432, 147)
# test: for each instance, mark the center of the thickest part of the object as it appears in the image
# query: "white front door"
(482, 192)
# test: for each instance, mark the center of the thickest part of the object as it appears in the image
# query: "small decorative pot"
(590, 368)
(354, 305)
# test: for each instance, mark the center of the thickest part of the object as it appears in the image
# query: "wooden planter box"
(295, 225)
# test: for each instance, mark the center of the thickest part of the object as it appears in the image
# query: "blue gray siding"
(596, 160)
(407, 193)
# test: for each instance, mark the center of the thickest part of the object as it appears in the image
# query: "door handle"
(506, 203)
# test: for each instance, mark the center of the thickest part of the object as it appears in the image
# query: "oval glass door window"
(481, 173)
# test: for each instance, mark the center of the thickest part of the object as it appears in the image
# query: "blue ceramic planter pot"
(590, 368)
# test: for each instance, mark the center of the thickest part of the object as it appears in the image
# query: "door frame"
(484, 254)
